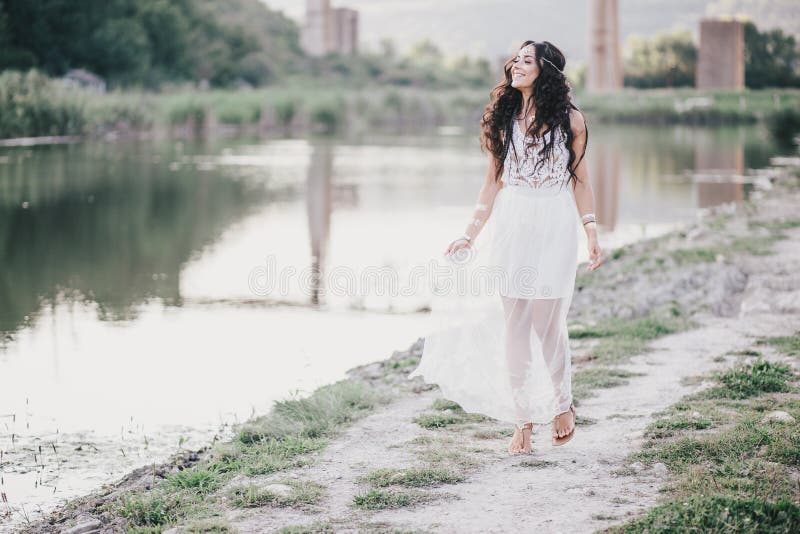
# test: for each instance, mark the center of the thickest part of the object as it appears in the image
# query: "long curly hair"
(552, 99)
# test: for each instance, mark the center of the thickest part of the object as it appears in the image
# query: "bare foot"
(563, 424)
(521, 441)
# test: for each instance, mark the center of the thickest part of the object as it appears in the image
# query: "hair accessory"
(529, 48)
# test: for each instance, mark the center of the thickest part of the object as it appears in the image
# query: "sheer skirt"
(497, 342)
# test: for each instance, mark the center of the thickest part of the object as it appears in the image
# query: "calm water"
(151, 293)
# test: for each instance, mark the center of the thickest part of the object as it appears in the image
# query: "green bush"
(31, 104)
(784, 125)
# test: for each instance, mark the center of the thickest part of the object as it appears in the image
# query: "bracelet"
(592, 223)
(467, 238)
(588, 216)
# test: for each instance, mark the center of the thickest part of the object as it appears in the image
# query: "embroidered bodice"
(551, 172)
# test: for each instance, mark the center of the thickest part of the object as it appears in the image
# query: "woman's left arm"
(582, 189)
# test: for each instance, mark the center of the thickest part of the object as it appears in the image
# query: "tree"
(771, 58)
(666, 60)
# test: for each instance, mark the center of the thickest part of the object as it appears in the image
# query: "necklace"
(533, 116)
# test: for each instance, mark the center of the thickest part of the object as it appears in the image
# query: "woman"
(509, 357)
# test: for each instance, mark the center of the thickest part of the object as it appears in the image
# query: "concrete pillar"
(345, 31)
(316, 36)
(720, 58)
(605, 64)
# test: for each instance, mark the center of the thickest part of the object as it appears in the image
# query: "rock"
(637, 466)
(84, 527)
(660, 469)
(777, 416)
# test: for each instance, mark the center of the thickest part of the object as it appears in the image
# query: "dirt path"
(574, 488)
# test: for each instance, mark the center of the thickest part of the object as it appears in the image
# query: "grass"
(201, 480)
(586, 381)
(733, 470)
(34, 105)
(376, 499)
(282, 439)
(150, 509)
(788, 345)
(663, 106)
(415, 477)
(253, 495)
(447, 413)
(718, 514)
(751, 379)
(536, 463)
(758, 242)
(619, 339)
(317, 527)
(215, 526)
(671, 425)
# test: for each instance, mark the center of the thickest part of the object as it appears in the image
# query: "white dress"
(497, 342)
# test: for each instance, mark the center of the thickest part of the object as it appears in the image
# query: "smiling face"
(524, 70)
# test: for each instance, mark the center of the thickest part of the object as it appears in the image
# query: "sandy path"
(579, 491)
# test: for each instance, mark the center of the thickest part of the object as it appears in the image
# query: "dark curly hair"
(551, 95)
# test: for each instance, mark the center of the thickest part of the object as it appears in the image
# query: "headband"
(529, 48)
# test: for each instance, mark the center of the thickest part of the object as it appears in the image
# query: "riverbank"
(40, 106)
(377, 451)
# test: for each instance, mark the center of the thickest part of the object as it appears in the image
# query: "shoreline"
(308, 110)
(695, 280)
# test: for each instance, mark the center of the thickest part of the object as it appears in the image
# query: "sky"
(493, 28)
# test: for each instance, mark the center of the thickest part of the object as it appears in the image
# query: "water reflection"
(128, 265)
(319, 203)
(113, 228)
(717, 164)
(120, 225)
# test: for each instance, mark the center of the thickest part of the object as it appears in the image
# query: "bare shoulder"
(577, 122)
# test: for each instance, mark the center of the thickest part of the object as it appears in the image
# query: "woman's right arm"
(483, 207)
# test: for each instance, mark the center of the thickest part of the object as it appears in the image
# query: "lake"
(153, 293)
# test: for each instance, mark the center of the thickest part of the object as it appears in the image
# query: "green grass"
(619, 339)
(150, 509)
(751, 379)
(314, 416)
(763, 234)
(201, 480)
(497, 433)
(317, 527)
(253, 496)
(718, 514)
(669, 426)
(376, 499)
(285, 438)
(659, 106)
(732, 469)
(215, 525)
(585, 381)
(447, 413)
(33, 105)
(788, 345)
(415, 477)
